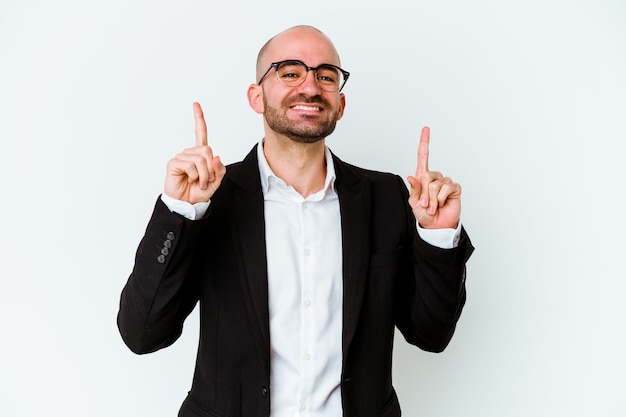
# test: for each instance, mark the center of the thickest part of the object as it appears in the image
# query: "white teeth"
(308, 108)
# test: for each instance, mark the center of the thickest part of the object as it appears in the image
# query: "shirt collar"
(266, 171)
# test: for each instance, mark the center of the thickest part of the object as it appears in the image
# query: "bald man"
(303, 265)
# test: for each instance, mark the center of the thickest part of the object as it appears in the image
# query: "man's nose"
(310, 84)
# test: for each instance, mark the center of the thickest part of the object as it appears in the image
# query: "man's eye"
(326, 78)
(327, 75)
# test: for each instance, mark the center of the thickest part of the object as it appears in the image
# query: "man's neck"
(301, 165)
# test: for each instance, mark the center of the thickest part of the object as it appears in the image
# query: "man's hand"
(195, 174)
(435, 199)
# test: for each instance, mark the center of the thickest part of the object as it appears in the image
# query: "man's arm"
(431, 298)
(430, 303)
(162, 289)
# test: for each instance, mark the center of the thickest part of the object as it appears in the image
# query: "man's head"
(308, 109)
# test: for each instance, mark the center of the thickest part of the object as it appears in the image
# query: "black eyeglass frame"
(275, 66)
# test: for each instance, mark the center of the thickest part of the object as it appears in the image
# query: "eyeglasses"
(292, 73)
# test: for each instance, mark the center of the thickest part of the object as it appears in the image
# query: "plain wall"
(526, 104)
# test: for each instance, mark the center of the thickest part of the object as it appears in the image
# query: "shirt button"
(307, 357)
(307, 252)
(302, 407)
(307, 303)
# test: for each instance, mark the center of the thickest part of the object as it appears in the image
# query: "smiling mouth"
(306, 108)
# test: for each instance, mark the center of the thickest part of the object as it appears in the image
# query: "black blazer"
(391, 277)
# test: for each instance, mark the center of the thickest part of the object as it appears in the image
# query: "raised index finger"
(201, 135)
(422, 151)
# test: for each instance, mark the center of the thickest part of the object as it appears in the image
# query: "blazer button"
(264, 391)
(161, 259)
(165, 251)
(171, 236)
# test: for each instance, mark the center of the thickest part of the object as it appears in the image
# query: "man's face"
(304, 113)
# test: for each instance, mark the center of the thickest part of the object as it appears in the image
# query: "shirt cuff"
(441, 238)
(185, 209)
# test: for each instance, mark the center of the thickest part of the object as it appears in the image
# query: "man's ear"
(342, 105)
(255, 98)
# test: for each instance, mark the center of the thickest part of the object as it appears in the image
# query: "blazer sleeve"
(160, 292)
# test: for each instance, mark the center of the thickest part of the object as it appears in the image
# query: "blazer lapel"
(248, 226)
(353, 190)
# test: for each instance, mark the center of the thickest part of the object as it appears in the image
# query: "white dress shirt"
(305, 287)
(303, 238)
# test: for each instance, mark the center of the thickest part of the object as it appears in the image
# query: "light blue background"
(526, 103)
